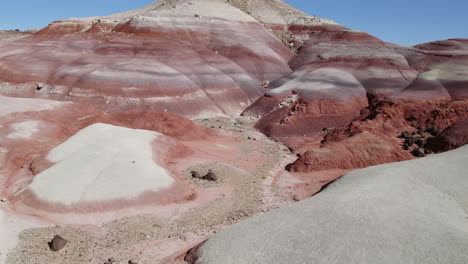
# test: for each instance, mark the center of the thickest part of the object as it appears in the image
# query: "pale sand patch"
(101, 162)
(24, 130)
(9, 105)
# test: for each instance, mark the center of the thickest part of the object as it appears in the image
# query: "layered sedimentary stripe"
(190, 65)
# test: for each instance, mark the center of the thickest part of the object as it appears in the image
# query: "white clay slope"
(265, 11)
(101, 162)
(9, 105)
(180, 8)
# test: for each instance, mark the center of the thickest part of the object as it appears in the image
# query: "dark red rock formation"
(451, 138)
(362, 150)
(378, 131)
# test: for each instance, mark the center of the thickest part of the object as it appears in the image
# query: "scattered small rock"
(210, 176)
(110, 261)
(421, 143)
(405, 134)
(197, 15)
(57, 243)
(410, 141)
(39, 86)
(3, 200)
(195, 175)
(419, 152)
(432, 130)
(421, 132)
(414, 117)
(132, 262)
(242, 213)
(183, 237)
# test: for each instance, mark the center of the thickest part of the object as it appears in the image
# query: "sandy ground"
(252, 181)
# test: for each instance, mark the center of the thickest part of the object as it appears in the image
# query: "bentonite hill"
(230, 131)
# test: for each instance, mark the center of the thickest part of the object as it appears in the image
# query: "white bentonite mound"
(408, 212)
(101, 162)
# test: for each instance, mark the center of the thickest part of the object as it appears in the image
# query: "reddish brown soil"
(375, 137)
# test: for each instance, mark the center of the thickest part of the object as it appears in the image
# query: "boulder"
(57, 243)
(210, 176)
